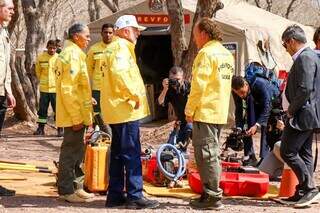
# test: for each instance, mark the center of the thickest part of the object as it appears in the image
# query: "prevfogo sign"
(158, 19)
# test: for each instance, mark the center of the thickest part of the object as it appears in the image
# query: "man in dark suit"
(253, 106)
(302, 93)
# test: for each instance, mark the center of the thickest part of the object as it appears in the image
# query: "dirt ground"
(18, 144)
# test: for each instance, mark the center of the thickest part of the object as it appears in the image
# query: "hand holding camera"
(165, 84)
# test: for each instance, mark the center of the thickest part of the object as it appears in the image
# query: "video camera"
(235, 139)
(174, 82)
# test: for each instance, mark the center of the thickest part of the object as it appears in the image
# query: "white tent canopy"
(242, 25)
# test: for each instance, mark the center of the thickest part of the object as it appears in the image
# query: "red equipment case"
(235, 184)
(150, 169)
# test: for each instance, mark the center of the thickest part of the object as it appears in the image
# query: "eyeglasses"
(284, 43)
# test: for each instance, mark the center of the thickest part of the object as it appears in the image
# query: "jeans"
(125, 162)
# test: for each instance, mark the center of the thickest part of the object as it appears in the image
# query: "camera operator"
(176, 91)
(256, 100)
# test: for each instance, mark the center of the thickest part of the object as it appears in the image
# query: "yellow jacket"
(212, 72)
(45, 72)
(122, 85)
(94, 57)
(74, 105)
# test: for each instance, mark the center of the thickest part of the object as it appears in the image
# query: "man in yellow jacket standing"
(94, 58)
(74, 112)
(207, 108)
(47, 82)
(123, 103)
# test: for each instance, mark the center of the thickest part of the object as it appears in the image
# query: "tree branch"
(257, 3)
(269, 5)
(177, 28)
(289, 8)
(111, 5)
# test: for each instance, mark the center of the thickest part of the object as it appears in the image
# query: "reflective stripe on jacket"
(94, 57)
(45, 72)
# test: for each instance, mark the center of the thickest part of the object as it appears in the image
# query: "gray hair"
(4, 2)
(75, 28)
(294, 32)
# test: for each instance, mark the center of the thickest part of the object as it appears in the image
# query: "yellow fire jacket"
(122, 85)
(45, 72)
(212, 72)
(94, 57)
(74, 104)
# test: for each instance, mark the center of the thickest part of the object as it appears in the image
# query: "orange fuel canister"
(96, 166)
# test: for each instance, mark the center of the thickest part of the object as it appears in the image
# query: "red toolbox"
(235, 184)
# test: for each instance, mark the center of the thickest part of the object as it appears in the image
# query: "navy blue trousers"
(125, 162)
(296, 151)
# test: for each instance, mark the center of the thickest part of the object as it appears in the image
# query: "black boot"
(206, 202)
(60, 132)
(40, 129)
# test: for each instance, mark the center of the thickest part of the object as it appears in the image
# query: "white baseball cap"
(128, 21)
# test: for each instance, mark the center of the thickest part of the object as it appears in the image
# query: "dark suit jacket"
(303, 91)
(259, 103)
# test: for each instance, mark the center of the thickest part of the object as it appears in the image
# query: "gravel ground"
(19, 144)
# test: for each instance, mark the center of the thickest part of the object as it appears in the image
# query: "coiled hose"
(181, 161)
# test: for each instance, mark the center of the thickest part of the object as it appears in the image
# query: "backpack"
(255, 70)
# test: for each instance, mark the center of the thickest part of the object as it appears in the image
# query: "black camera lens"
(174, 83)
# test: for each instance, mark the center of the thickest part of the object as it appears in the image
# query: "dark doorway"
(154, 58)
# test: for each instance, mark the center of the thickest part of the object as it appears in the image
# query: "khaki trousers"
(205, 140)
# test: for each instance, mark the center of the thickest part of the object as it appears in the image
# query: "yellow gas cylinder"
(96, 164)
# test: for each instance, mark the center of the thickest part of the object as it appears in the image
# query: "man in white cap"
(123, 104)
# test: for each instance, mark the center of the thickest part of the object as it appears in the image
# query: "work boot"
(83, 194)
(142, 203)
(6, 192)
(73, 198)
(40, 129)
(206, 202)
(60, 132)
